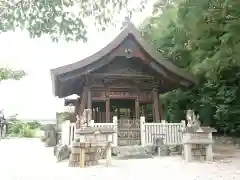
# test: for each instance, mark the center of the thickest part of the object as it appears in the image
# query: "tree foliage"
(202, 37)
(62, 18)
(6, 73)
(24, 129)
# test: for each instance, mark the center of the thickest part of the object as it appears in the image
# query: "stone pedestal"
(88, 141)
(197, 143)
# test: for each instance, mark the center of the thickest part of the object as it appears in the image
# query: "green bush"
(23, 129)
(34, 125)
(27, 131)
(15, 127)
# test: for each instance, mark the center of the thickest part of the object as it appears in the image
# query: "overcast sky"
(32, 96)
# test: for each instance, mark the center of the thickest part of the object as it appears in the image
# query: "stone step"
(132, 152)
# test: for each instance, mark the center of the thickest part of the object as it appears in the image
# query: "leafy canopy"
(63, 18)
(202, 37)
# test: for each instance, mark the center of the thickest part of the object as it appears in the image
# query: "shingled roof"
(130, 29)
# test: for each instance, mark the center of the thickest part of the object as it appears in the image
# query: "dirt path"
(24, 159)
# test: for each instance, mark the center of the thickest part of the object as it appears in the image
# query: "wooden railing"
(68, 131)
(148, 131)
(169, 132)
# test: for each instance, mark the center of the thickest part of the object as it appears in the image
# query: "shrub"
(26, 131)
(34, 125)
(15, 127)
(23, 129)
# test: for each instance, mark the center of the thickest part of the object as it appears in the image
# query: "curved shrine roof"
(129, 30)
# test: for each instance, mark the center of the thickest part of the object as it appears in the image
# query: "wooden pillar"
(77, 105)
(156, 105)
(89, 96)
(85, 97)
(153, 114)
(137, 109)
(84, 101)
(108, 115)
(89, 102)
(161, 111)
(76, 110)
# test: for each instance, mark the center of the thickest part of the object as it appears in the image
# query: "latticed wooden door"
(128, 132)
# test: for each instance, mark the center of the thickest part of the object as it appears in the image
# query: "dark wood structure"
(123, 79)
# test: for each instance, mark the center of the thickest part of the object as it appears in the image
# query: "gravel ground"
(28, 159)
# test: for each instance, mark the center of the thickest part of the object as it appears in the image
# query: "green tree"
(62, 18)
(6, 73)
(202, 37)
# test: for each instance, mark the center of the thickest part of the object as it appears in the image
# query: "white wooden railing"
(148, 131)
(68, 131)
(168, 131)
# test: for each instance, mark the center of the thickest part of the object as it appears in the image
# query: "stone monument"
(88, 141)
(197, 140)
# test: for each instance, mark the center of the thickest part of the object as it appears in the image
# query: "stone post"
(109, 152)
(142, 130)
(209, 151)
(82, 157)
(114, 139)
(187, 152)
(91, 124)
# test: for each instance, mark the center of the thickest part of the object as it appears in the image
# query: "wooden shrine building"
(123, 79)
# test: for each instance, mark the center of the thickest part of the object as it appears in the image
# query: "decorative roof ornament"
(128, 52)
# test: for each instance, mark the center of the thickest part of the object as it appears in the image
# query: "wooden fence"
(149, 131)
(68, 131)
(168, 131)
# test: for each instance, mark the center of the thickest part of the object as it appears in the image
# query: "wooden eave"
(129, 30)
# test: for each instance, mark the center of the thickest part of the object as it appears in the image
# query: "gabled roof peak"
(116, 42)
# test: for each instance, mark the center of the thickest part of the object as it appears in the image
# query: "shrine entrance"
(128, 125)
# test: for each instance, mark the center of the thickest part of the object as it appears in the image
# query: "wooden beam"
(122, 97)
(98, 99)
(122, 76)
(142, 87)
